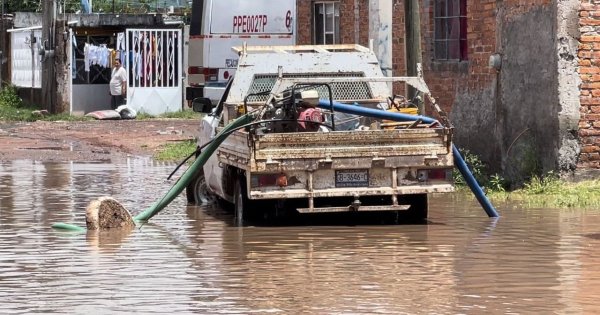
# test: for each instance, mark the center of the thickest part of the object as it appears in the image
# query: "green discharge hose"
(188, 175)
(68, 227)
(183, 181)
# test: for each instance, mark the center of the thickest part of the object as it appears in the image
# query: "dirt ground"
(96, 140)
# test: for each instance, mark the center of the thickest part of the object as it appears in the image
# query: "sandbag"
(107, 114)
(126, 112)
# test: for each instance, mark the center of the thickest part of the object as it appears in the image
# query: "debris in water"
(107, 213)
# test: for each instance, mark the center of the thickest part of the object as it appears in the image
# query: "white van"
(218, 25)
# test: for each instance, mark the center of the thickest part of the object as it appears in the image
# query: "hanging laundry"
(96, 55)
(120, 47)
(73, 55)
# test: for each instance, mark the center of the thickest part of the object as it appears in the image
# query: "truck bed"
(392, 159)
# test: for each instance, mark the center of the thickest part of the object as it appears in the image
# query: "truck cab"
(216, 26)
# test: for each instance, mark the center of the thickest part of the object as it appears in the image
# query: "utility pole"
(48, 73)
(33, 60)
(413, 45)
(2, 44)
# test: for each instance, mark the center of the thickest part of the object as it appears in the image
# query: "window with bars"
(450, 26)
(97, 74)
(327, 23)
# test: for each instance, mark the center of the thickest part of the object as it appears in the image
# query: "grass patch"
(176, 151)
(548, 192)
(185, 114)
(12, 108)
(26, 113)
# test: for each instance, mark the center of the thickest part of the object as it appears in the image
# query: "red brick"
(590, 86)
(589, 132)
(590, 149)
(591, 117)
(589, 70)
(591, 22)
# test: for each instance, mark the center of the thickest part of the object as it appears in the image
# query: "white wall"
(21, 64)
(90, 97)
(380, 31)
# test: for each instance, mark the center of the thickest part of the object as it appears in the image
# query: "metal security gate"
(153, 62)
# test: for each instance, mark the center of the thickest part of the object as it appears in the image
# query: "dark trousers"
(116, 101)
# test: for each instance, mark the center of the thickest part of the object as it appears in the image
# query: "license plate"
(352, 178)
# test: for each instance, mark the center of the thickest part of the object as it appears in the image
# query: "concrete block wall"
(589, 71)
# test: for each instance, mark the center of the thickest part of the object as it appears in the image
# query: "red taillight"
(437, 174)
(226, 75)
(269, 180)
(282, 180)
(434, 174)
(194, 70)
(211, 74)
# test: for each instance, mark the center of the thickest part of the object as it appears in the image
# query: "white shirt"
(117, 78)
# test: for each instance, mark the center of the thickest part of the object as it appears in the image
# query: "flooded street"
(195, 260)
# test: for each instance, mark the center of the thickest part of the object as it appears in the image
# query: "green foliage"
(10, 98)
(550, 191)
(184, 114)
(11, 106)
(497, 183)
(143, 116)
(493, 183)
(549, 183)
(176, 151)
(13, 109)
(98, 6)
(22, 6)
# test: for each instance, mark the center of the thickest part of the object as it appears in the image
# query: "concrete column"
(48, 73)
(380, 32)
(62, 66)
(568, 33)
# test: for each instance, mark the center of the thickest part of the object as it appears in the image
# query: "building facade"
(519, 78)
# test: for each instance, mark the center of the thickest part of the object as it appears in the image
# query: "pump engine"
(293, 114)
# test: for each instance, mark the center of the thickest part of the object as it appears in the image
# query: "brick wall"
(304, 22)
(304, 35)
(589, 71)
(398, 45)
(445, 78)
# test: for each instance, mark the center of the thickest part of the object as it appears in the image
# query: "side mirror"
(202, 105)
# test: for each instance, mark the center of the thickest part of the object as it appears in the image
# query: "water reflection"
(194, 260)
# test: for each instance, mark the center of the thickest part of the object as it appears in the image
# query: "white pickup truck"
(298, 156)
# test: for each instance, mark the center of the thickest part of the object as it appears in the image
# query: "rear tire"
(197, 190)
(240, 199)
(418, 211)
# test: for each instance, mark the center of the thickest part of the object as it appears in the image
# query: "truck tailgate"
(393, 148)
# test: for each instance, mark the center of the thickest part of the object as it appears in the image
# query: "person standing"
(118, 85)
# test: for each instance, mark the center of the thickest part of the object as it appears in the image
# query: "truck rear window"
(197, 16)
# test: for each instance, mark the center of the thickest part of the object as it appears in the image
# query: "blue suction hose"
(459, 161)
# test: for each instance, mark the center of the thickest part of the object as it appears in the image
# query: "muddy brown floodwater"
(91, 140)
(195, 260)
